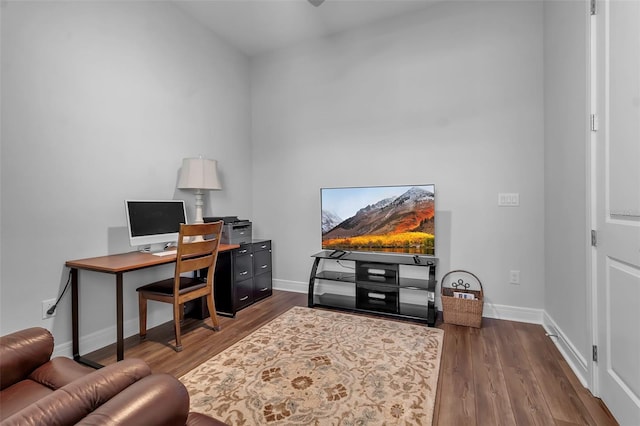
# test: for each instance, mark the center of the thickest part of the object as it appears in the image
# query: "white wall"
(100, 102)
(566, 47)
(452, 95)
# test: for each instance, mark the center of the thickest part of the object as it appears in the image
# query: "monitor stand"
(153, 248)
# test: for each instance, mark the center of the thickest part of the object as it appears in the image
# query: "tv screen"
(394, 219)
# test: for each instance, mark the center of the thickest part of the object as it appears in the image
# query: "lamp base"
(199, 206)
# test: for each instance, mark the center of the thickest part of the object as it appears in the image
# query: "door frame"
(592, 197)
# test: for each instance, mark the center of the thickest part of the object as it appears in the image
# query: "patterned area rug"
(310, 366)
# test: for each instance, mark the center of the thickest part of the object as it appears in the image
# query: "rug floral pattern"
(314, 367)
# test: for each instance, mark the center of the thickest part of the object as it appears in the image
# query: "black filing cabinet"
(261, 270)
(242, 283)
(242, 277)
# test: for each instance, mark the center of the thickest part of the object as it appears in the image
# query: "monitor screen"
(154, 223)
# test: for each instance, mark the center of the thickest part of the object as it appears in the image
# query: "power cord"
(52, 309)
(345, 266)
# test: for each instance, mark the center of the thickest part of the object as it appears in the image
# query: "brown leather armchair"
(38, 390)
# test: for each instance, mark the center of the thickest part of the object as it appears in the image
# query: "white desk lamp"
(199, 174)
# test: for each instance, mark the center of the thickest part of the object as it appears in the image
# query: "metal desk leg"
(119, 317)
(74, 314)
(74, 323)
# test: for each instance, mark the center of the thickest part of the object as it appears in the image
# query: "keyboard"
(165, 253)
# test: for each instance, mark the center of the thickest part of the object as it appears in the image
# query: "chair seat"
(165, 287)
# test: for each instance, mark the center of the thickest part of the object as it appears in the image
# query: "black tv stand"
(399, 286)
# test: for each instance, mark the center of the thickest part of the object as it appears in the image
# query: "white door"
(618, 207)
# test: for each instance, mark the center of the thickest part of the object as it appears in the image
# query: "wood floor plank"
(457, 403)
(493, 406)
(594, 406)
(562, 399)
(526, 397)
(489, 376)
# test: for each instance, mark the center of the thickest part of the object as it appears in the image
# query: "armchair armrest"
(58, 372)
(158, 399)
(74, 401)
(22, 352)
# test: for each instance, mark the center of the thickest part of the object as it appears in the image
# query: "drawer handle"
(242, 299)
(244, 272)
(264, 246)
(264, 289)
(264, 266)
(377, 296)
(242, 251)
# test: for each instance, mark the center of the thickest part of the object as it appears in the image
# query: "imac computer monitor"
(153, 224)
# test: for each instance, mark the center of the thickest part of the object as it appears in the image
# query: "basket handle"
(463, 271)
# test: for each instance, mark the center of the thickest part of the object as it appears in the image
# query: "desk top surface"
(125, 262)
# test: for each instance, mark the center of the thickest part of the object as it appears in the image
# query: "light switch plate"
(511, 199)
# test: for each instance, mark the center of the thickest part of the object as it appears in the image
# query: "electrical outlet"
(514, 277)
(46, 304)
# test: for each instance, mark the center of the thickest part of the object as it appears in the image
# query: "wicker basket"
(467, 312)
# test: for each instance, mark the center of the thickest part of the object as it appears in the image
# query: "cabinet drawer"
(261, 261)
(262, 245)
(243, 294)
(243, 249)
(243, 267)
(262, 286)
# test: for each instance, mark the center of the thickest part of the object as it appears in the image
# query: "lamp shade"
(199, 173)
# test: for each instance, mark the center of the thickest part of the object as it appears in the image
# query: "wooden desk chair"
(192, 255)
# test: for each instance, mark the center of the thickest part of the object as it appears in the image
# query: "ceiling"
(257, 26)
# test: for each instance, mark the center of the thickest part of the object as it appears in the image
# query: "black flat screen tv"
(390, 219)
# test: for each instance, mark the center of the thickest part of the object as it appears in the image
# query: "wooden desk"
(116, 264)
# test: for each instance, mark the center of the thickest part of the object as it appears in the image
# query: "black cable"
(345, 266)
(52, 309)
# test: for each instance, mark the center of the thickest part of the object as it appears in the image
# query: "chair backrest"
(198, 249)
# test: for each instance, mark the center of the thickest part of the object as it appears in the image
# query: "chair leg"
(212, 312)
(142, 312)
(176, 325)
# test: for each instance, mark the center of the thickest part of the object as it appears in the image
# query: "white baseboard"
(490, 310)
(107, 336)
(62, 349)
(576, 361)
(292, 286)
(512, 313)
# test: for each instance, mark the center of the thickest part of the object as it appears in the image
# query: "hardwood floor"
(505, 373)
(510, 373)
